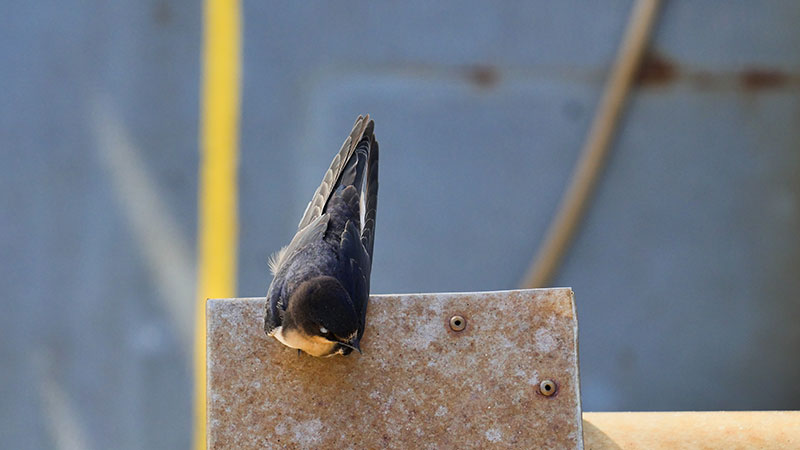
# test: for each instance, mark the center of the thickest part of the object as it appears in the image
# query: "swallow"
(317, 300)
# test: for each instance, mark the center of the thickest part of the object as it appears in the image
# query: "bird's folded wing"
(370, 199)
(357, 271)
(313, 231)
(317, 204)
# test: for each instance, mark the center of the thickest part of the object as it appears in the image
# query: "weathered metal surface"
(692, 430)
(419, 384)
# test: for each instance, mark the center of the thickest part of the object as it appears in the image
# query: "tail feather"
(371, 197)
(353, 173)
(332, 177)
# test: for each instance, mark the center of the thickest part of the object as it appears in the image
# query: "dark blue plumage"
(317, 301)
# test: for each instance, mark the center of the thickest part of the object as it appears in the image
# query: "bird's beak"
(354, 344)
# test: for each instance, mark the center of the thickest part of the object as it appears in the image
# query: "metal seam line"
(217, 188)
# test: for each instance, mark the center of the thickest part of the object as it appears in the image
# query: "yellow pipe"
(217, 197)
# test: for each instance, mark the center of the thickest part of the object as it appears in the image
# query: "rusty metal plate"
(419, 383)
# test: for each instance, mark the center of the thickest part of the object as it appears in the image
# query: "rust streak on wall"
(656, 69)
(483, 76)
(760, 78)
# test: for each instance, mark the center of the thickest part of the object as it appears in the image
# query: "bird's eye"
(323, 330)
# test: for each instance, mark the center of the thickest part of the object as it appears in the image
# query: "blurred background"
(685, 267)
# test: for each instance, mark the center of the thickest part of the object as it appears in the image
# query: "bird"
(317, 300)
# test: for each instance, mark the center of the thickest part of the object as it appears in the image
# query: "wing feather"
(313, 231)
(370, 207)
(356, 266)
(317, 204)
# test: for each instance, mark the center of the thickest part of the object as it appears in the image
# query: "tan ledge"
(466, 370)
(422, 384)
(692, 430)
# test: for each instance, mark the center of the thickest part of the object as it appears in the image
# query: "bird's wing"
(370, 198)
(272, 318)
(356, 265)
(314, 231)
(329, 182)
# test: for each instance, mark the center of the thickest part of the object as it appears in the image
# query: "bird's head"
(320, 319)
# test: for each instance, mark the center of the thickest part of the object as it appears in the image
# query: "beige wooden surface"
(692, 430)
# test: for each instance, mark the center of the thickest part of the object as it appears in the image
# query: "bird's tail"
(370, 207)
(354, 169)
(333, 177)
(364, 163)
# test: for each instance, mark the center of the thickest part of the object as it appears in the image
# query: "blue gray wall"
(685, 269)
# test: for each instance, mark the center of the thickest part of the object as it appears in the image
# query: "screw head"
(458, 323)
(548, 388)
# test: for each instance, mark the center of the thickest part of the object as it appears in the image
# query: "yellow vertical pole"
(217, 196)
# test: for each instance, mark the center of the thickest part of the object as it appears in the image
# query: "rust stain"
(759, 78)
(162, 13)
(483, 76)
(656, 69)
